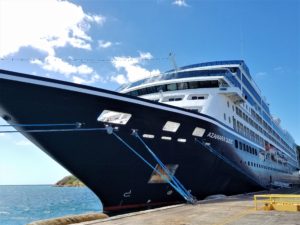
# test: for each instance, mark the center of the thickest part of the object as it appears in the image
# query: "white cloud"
(78, 80)
(180, 3)
(104, 44)
(97, 18)
(91, 79)
(52, 63)
(84, 69)
(46, 26)
(146, 55)
(120, 79)
(107, 44)
(43, 25)
(131, 66)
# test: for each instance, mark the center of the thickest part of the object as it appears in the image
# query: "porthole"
(166, 138)
(151, 136)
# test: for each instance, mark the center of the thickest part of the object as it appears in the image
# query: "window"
(228, 104)
(234, 122)
(197, 97)
(182, 86)
(195, 110)
(199, 132)
(182, 140)
(161, 88)
(194, 84)
(175, 86)
(151, 136)
(171, 126)
(172, 87)
(224, 116)
(172, 99)
(236, 144)
(109, 116)
(166, 138)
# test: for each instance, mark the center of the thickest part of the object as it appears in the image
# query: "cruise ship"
(180, 136)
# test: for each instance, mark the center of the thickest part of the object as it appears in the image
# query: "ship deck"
(238, 209)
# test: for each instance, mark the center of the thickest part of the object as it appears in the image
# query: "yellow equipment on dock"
(279, 202)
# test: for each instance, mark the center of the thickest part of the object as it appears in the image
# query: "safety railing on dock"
(279, 202)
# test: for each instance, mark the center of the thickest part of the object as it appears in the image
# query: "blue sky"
(129, 40)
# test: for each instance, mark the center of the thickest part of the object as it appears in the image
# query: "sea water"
(24, 204)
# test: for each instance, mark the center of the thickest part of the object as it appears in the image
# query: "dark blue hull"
(116, 175)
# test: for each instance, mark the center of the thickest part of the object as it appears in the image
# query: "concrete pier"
(234, 210)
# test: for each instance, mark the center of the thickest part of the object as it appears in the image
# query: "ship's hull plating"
(115, 174)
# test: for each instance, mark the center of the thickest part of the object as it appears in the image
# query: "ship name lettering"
(220, 137)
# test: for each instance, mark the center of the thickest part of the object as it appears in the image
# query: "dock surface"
(234, 210)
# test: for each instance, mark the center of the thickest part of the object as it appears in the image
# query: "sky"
(105, 43)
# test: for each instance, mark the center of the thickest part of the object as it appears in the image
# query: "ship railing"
(234, 93)
(280, 202)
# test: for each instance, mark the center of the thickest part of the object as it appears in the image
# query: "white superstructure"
(225, 91)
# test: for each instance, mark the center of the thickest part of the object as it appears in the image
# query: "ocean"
(20, 205)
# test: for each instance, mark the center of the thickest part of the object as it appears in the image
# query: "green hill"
(69, 181)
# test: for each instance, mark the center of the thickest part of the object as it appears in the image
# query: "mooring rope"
(225, 159)
(77, 124)
(186, 196)
(176, 182)
(53, 130)
(168, 177)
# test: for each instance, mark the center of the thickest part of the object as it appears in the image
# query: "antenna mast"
(173, 61)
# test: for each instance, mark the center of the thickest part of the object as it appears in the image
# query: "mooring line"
(77, 124)
(152, 167)
(53, 130)
(177, 183)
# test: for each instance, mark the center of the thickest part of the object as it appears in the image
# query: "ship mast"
(173, 61)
